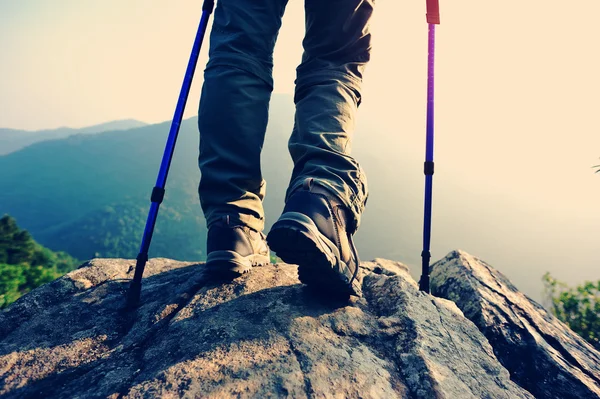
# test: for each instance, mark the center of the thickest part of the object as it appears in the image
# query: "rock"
(541, 353)
(262, 335)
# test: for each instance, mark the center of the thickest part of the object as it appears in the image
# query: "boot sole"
(230, 264)
(296, 240)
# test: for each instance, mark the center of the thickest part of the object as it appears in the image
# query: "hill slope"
(89, 194)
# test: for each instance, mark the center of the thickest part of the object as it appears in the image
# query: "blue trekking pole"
(158, 192)
(433, 18)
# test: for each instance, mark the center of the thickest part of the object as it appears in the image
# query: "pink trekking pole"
(433, 18)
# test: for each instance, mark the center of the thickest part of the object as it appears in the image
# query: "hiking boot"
(234, 249)
(312, 233)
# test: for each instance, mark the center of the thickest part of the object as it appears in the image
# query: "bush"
(577, 307)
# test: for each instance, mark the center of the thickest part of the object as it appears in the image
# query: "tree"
(11, 278)
(8, 228)
(24, 264)
(577, 307)
(596, 166)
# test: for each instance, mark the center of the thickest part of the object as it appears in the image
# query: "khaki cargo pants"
(233, 111)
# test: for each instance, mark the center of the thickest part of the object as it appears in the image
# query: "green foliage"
(578, 307)
(24, 264)
(11, 279)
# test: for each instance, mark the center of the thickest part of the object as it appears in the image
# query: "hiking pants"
(234, 104)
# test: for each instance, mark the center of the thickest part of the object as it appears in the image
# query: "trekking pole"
(158, 192)
(433, 18)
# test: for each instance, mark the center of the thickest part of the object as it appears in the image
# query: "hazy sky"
(517, 83)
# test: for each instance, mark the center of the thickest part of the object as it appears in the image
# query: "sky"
(516, 91)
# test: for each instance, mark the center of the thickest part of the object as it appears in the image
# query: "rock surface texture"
(263, 335)
(542, 354)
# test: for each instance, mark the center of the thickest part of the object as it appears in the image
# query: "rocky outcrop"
(542, 354)
(262, 335)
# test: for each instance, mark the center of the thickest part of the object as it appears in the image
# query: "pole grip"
(433, 12)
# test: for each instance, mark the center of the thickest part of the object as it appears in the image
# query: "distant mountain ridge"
(14, 139)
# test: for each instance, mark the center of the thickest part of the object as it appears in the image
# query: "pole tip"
(424, 284)
(133, 295)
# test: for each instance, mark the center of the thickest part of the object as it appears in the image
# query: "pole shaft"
(430, 91)
(426, 254)
(183, 96)
(133, 295)
(165, 164)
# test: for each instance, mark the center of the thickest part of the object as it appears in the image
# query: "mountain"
(265, 335)
(60, 189)
(62, 185)
(13, 140)
(90, 195)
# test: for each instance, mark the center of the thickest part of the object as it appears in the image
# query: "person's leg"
(233, 111)
(232, 120)
(328, 189)
(337, 47)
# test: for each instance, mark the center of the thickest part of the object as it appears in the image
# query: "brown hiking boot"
(312, 233)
